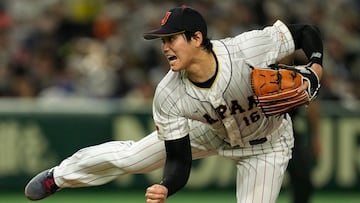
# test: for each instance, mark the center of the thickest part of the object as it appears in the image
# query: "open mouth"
(171, 58)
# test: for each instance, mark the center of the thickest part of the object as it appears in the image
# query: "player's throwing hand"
(156, 194)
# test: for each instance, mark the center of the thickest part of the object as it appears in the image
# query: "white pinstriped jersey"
(228, 105)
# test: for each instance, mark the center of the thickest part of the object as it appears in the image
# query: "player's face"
(178, 51)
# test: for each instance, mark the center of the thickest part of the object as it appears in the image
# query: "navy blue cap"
(179, 20)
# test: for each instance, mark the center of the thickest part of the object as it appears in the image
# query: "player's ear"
(198, 38)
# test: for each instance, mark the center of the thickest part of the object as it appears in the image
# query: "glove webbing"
(308, 75)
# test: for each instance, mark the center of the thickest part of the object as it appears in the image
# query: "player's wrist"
(168, 186)
(317, 68)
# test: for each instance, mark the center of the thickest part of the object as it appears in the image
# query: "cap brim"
(162, 32)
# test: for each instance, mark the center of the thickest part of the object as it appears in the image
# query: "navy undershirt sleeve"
(178, 164)
(307, 37)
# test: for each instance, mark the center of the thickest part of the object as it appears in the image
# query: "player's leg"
(259, 178)
(261, 168)
(103, 163)
(100, 164)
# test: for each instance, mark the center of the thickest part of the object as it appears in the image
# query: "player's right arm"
(176, 171)
(173, 128)
(177, 165)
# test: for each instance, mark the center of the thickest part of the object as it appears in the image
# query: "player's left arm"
(176, 171)
(307, 37)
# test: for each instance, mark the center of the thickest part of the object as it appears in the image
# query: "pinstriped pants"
(260, 168)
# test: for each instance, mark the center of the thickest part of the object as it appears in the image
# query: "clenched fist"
(156, 194)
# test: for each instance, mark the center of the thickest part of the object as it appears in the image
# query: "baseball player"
(204, 106)
(210, 81)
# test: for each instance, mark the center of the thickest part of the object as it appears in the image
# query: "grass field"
(71, 196)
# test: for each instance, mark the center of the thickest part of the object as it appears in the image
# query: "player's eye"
(171, 38)
(164, 40)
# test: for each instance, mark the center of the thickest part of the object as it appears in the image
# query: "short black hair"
(206, 43)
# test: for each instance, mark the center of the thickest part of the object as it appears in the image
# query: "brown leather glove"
(276, 87)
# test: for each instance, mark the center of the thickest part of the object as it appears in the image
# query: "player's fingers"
(154, 201)
(158, 189)
(303, 87)
(156, 194)
(155, 198)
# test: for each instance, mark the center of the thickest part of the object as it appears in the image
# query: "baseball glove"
(276, 88)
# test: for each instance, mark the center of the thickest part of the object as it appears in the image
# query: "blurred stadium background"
(75, 73)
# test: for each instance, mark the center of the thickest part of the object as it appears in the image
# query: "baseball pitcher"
(226, 97)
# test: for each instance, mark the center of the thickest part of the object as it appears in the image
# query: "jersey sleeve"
(261, 48)
(167, 115)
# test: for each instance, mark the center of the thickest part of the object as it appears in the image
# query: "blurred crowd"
(95, 49)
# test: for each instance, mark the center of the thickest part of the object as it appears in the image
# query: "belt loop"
(258, 141)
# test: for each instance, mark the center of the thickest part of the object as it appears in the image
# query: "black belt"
(258, 141)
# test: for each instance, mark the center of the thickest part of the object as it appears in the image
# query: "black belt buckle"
(258, 141)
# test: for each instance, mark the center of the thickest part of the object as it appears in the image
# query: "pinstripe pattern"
(260, 174)
(100, 164)
(230, 112)
(220, 120)
(177, 99)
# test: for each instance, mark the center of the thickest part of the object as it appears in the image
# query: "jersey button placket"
(230, 124)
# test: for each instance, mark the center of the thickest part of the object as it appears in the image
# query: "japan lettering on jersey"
(228, 106)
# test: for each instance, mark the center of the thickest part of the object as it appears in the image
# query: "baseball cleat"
(41, 186)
